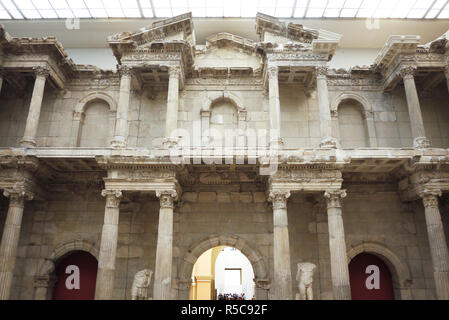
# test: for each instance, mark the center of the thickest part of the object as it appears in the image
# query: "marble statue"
(305, 278)
(141, 283)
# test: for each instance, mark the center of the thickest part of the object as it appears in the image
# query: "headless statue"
(305, 279)
(141, 283)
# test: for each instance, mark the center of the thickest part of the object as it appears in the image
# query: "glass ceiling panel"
(313, 9)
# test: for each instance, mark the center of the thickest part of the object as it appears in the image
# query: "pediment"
(225, 50)
(179, 28)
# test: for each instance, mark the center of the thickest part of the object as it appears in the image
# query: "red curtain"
(359, 275)
(87, 265)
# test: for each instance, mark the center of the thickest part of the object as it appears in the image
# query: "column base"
(170, 142)
(118, 142)
(28, 142)
(421, 143)
(328, 143)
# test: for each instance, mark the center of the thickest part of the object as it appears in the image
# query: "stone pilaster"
(108, 246)
(121, 122)
(29, 137)
(275, 107)
(164, 251)
(171, 121)
(282, 284)
(414, 109)
(10, 238)
(437, 242)
(327, 141)
(337, 245)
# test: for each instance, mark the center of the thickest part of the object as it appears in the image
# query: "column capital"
(167, 198)
(174, 71)
(113, 197)
(407, 71)
(279, 198)
(18, 196)
(333, 198)
(126, 71)
(446, 72)
(430, 197)
(41, 71)
(321, 71)
(272, 72)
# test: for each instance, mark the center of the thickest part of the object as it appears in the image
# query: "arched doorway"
(222, 273)
(370, 278)
(76, 263)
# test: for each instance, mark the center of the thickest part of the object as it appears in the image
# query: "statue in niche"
(305, 278)
(141, 283)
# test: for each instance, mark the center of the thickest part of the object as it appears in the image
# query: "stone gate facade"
(133, 166)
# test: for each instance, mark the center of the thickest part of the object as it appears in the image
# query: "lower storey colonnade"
(278, 249)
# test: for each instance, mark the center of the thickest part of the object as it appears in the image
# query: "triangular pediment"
(226, 50)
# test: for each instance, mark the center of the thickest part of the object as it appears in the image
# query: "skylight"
(321, 9)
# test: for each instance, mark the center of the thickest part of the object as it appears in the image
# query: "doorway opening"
(222, 273)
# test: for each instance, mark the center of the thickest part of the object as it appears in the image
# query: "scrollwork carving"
(407, 71)
(113, 198)
(279, 199)
(333, 198)
(167, 198)
(18, 196)
(430, 197)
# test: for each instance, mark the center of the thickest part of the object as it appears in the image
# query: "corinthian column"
(414, 109)
(171, 121)
(327, 141)
(29, 137)
(337, 245)
(121, 122)
(281, 246)
(163, 270)
(10, 239)
(108, 246)
(275, 107)
(437, 242)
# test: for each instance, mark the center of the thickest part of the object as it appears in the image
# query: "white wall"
(233, 258)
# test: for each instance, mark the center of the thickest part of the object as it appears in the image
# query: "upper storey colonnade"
(290, 54)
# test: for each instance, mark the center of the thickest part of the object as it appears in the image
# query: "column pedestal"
(282, 284)
(337, 245)
(437, 242)
(108, 247)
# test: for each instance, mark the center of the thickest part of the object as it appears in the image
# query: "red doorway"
(370, 278)
(87, 266)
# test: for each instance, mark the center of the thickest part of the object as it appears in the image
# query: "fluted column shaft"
(337, 245)
(29, 136)
(108, 246)
(10, 239)
(164, 250)
(437, 242)
(171, 121)
(414, 109)
(327, 141)
(121, 122)
(282, 283)
(275, 106)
